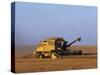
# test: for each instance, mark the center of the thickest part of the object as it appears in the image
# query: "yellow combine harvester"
(55, 47)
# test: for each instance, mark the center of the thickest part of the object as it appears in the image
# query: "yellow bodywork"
(46, 46)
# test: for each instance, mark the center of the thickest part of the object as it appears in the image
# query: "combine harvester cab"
(55, 48)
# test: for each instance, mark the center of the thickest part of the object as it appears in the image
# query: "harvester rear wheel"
(38, 55)
(41, 56)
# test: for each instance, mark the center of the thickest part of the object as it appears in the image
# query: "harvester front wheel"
(54, 55)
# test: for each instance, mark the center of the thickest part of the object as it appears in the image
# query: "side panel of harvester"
(45, 48)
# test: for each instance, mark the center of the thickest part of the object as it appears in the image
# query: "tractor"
(55, 47)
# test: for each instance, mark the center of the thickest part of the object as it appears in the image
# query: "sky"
(37, 21)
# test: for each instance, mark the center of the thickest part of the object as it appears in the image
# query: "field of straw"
(26, 62)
